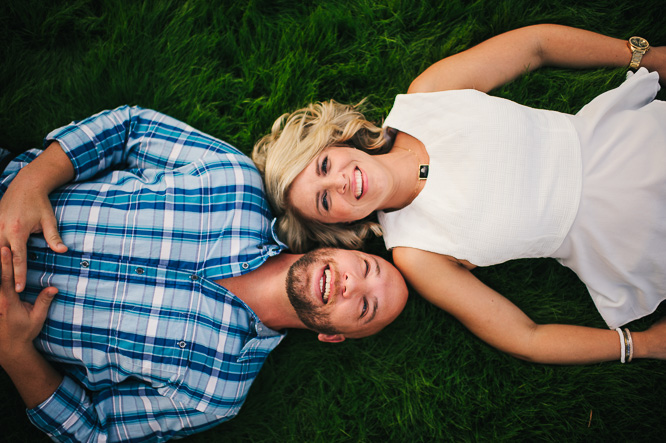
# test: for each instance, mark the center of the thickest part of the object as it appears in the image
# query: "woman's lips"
(358, 178)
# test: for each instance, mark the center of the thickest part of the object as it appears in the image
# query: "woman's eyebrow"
(317, 200)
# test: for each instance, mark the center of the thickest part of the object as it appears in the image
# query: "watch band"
(636, 57)
(638, 47)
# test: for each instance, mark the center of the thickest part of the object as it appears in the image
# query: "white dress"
(507, 181)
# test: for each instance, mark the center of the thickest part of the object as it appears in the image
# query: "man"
(172, 289)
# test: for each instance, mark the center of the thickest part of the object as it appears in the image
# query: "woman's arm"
(449, 285)
(503, 58)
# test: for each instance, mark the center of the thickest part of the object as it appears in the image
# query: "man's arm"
(60, 407)
(25, 207)
(76, 151)
(20, 323)
(497, 321)
(505, 57)
(125, 412)
(122, 138)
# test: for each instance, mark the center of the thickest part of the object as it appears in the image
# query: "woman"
(461, 179)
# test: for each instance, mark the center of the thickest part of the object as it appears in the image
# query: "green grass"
(229, 69)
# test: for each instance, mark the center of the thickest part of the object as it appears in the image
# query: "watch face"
(639, 42)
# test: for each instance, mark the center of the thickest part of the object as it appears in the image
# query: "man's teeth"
(359, 182)
(325, 285)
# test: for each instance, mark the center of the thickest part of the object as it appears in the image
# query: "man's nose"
(350, 286)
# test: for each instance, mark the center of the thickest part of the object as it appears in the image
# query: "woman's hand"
(651, 343)
(655, 60)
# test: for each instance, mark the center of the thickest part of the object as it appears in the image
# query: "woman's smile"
(360, 187)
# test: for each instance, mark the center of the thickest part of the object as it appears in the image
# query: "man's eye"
(324, 201)
(365, 308)
(324, 165)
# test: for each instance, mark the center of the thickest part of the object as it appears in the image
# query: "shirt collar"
(282, 246)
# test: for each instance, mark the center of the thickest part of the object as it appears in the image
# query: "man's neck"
(264, 291)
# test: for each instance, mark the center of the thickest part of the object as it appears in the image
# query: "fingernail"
(19, 287)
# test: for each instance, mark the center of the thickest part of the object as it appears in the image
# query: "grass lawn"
(230, 68)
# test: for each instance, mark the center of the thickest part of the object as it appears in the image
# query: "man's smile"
(325, 284)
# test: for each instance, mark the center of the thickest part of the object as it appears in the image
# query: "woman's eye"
(367, 267)
(324, 165)
(365, 308)
(324, 201)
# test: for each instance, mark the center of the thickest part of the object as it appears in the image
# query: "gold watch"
(638, 47)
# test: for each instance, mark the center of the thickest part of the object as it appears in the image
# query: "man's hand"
(25, 207)
(20, 322)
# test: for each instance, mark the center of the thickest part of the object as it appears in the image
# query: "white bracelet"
(619, 331)
(630, 342)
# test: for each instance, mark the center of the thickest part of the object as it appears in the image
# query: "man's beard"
(299, 285)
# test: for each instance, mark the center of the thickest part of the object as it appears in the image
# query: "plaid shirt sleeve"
(129, 412)
(132, 138)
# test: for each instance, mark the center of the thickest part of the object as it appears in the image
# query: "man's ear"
(327, 338)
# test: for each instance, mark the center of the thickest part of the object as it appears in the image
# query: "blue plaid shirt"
(150, 345)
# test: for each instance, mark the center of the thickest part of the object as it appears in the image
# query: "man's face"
(345, 294)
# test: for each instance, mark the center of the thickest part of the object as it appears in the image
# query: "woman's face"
(340, 185)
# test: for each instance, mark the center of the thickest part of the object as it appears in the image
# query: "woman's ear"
(327, 338)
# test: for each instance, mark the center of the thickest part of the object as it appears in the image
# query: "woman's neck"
(403, 163)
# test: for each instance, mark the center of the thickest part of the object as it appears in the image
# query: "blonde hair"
(294, 141)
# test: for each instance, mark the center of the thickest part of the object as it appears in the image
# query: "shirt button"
(194, 277)
(245, 266)
(182, 344)
(32, 256)
(139, 271)
(85, 263)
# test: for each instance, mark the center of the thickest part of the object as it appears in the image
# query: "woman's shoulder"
(409, 258)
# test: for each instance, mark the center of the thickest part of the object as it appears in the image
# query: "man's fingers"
(7, 267)
(18, 257)
(7, 272)
(52, 236)
(41, 306)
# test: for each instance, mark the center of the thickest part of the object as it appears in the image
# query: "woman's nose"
(340, 183)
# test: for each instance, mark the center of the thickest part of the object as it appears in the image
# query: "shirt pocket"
(153, 345)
